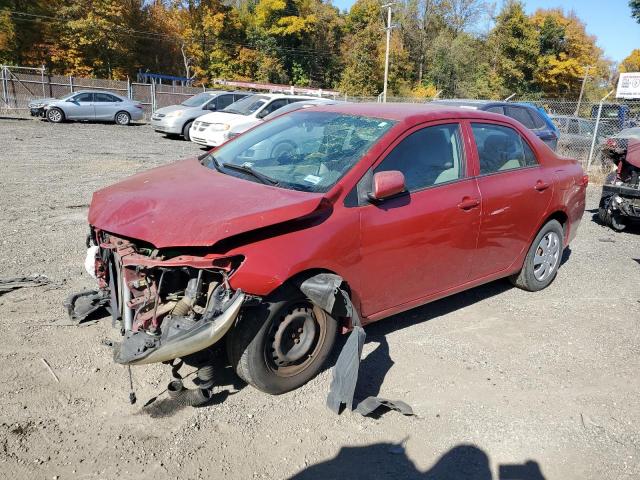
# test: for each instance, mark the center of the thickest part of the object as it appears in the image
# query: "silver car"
(88, 105)
(177, 119)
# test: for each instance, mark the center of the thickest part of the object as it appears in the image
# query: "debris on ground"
(10, 284)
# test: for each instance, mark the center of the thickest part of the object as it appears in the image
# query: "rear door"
(422, 242)
(80, 107)
(105, 106)
(515, 189)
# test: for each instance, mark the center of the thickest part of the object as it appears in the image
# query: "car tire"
(122, 118)
(55, 115)
(282, 343)
(609, 218)
(185, 130)
(543, 259)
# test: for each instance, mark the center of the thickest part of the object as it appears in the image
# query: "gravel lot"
(506, 384)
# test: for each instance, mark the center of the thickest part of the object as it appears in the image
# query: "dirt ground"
(506, 384)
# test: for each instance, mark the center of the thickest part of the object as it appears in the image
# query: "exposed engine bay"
(620, 201)
(169, 304)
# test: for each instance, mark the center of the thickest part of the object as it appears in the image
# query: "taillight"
(585, 180)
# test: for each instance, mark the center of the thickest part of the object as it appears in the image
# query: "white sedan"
(214, 129)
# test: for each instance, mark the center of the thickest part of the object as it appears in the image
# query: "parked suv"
(214, 129)
(531, 116)
(177, 119)
(394, 205)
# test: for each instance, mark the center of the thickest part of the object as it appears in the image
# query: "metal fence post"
(5, 85)
(595, 130)
(44, 94)
(128, 87)
(153, 97)
(71, 83)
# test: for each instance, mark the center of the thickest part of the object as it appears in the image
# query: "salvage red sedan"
(405, 203)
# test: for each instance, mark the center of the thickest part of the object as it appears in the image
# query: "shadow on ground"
(390, 461)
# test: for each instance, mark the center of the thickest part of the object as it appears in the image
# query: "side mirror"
(387, 184)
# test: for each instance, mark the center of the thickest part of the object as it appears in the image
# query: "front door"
(81, 107)
(516, 191)
(420, 243)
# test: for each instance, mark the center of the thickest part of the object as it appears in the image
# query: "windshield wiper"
(243, 168)
(231, 110)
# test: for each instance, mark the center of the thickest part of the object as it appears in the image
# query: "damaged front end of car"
(620, 200)
(170, 303)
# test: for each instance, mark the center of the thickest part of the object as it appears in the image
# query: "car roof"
(477, 104)
(409, 112)
(285, 95)
(98, 91)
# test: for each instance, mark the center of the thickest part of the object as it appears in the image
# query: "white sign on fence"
(629, 85)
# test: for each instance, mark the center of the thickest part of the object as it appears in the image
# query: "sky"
(609, 20)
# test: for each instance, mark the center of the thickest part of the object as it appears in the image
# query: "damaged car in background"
(371, 210)
(620, 200)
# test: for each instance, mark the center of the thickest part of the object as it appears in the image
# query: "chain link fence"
(20, 85)
(583, 126)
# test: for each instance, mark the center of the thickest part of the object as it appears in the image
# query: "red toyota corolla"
(405, 203)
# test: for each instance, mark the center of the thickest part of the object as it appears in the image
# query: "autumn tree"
(566, 50)
(631, 63)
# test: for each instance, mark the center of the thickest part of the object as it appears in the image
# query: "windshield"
(247, 105)
(197, 100)
(304, 150)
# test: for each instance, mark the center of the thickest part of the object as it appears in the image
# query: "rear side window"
(538, 121)
(496, 109)
(427, 157)
(105, 98)
(501, 148)
(522, 115)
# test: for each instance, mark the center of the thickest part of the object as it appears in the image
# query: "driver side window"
(428, 157)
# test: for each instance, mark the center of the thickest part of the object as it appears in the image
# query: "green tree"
(635, 9)
(514, 46)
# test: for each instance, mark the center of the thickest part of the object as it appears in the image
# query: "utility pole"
(386, 53)
(584, 80)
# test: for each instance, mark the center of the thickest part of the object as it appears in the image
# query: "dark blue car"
(531, 116)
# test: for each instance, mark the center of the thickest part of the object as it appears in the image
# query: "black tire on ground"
(55, 115)
(609, 218)
(122, 118)
(272, 365)
(529, 278)
(185, 130)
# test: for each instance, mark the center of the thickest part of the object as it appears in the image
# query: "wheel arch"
(562, 218)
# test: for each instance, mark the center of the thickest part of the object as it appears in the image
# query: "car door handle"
(541, 186)
(468, 203)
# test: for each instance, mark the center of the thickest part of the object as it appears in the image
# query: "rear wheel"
(281, 344)
(542, 260)
(55, 115)
(185, 131)
(122, 118)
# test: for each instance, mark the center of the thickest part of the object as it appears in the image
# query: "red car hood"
(187, 204)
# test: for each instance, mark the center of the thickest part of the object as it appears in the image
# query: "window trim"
(367, 176)
(472, 138)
